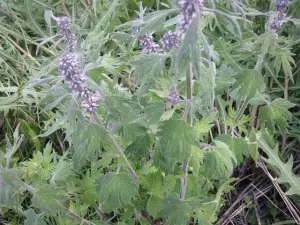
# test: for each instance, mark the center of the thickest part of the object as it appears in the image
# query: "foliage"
(127, 112)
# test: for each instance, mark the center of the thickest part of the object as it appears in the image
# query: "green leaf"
(175, 139)
(48, 200)
(154, 206)
(148, 68)
(32, 218)
(175, 211)
(187, 52)
(284, 59)
(224, 78)
(117, 190)
(218, 163)
(88, 186)
(141, 144)
(248, 83)
(283, 170)
(10, 196)
(207, 213)
(239, 146)
(153, 182)
(205, 124)
(91, 138)
(154, 112)
(276, 113)
(63, 172)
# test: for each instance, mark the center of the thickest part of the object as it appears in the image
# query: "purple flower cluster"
(170, 40)
(69, 67)
(277, 19)
(148, 44)
(64, 24)
(188, 10)
(281, 5)
(173, 98)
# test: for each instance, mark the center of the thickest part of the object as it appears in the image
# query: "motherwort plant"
(70, 68)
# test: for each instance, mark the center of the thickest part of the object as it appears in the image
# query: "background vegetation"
(205, 132)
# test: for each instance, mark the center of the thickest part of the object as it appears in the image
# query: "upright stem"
(286, 96)
(188, 119)
(119, 150)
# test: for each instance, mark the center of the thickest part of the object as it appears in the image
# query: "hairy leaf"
(175, 211)
(276, 113)
(48, 200)
(116, 190)
(218, 163)
(32, 218)
(239, 146)
(175, 139)
(248, 83)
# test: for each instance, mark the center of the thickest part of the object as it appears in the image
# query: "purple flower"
(170, 40)
(69, 66)
(281, 5)
(188, 10)
(89, 104)
(276, 21)
(173, 98)
(64, 24)
(148, 44)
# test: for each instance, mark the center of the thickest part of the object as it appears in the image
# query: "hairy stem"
(286, 96)
(188, 119)
(120, 151)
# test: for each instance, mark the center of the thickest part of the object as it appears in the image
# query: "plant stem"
(286, 96)
(188, 119)
(120, 151)
(222, 113)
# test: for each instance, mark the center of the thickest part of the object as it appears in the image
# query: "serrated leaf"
(207, 213)
(224, 78)
(63, 172)
(153, 182)
(167, 115)
(196, 160)
(91, 138)
(203, 126)
(117, 190)
(248, 82)
(154, 206)
(10, 197)
(239, 146)
(218, 163)
(147, 70)
(276, 113)
(48, 200)
(154, 112)
(88, 185)
(140, 145)
(284, 170)
(175, 211)
(32, 218)
(284, 59)
(175, 139)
